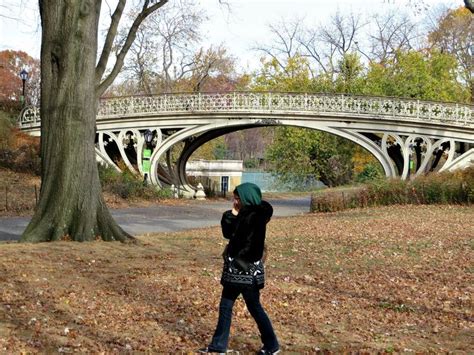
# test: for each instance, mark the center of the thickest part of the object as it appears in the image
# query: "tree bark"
(71, 205)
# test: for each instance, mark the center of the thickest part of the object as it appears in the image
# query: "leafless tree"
(139, 63)
(391, 32)
(165, 46)
(285, 42)
(340, 36)
(309, 39)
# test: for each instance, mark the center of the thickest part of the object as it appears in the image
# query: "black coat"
(246, 231)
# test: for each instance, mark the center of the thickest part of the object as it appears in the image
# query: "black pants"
(251, 296)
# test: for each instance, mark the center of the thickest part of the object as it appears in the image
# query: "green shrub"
(251, 164)
(371, 172)
(436, 188)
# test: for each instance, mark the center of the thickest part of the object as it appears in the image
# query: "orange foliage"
(20, 139)
(11, 63)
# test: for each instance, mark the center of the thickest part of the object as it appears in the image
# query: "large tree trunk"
(71, 204)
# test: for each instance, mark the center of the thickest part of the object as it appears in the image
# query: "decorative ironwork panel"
(357, 106)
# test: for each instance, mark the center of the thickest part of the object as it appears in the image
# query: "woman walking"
(243, 273)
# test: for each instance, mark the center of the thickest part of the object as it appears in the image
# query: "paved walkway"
(164, 218)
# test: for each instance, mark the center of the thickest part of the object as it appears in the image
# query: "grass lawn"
(379, 280)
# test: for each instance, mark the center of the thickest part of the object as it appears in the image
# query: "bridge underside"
(401, 152)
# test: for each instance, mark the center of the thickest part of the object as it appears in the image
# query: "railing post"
(417, 109)
(270, 101)
(199, 101)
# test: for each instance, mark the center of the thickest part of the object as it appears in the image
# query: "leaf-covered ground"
(377, 280)
(19, 192)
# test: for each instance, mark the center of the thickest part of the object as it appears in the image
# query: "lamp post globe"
(24, 78)
(148, 136)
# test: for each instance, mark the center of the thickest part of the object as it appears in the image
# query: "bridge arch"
(212, 131)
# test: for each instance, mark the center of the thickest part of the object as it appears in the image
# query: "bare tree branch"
(394, 32)
(109, 41)
(286, 44)
(146, 11)
(168, 48)
(308, 39)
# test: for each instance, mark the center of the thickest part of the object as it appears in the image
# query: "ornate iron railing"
(268, 102)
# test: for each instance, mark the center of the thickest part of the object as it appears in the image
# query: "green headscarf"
(250, 194)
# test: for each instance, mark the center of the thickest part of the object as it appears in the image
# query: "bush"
(18, 151)
(251, 164)
(333, 200)
(371, 172)
(23, 159)
(387, 192)
(129, 186)
(436, 188)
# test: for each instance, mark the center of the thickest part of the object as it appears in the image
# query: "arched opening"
(195, 138)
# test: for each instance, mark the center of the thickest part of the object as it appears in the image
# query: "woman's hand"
(236, 205)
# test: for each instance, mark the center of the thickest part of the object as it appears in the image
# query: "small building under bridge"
(218, 177)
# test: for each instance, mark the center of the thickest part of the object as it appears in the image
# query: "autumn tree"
(420, 75)
(73, 78)
(299, 156)
(11, 63)
(454, 33)
(168, 56)
(212, 150)
(211, 70)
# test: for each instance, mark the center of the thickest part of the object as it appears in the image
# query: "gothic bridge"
(407, 137)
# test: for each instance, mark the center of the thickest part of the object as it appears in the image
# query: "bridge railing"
(363, 106)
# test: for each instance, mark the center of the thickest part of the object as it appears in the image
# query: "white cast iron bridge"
(408, 137)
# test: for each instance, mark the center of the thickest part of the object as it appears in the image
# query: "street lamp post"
(149, 135)
(24, 78)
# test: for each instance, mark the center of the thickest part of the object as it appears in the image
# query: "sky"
(239, 28)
